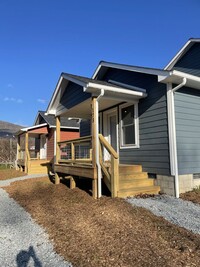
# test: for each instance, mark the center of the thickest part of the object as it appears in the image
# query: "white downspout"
(173, 124)
(97, 148)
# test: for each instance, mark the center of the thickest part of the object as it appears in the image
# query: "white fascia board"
(65, 127)
(33, 127)
(129, 68)
(181, 52)
(92, 88)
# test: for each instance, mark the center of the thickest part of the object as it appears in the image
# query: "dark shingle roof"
(51, 120)
(89, 80)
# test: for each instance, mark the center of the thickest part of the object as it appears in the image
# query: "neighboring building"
(37, 144)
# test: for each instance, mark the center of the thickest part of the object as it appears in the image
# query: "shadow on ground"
(25, 256)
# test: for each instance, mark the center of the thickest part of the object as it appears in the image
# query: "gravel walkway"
(23, 243)
(183, 213)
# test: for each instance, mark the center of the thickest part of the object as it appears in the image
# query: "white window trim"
(136, 119)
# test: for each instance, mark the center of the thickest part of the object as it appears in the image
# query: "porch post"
(26, 152)
(18, 152)
(57, 179)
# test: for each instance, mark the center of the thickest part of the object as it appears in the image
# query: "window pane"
(128, 135)
(128, 115)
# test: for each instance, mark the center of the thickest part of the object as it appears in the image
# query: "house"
(144, 126)
(36, 144)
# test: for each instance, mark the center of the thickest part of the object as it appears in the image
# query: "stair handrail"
(113, 176)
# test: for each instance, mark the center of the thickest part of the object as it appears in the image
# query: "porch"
(97, 156)
(31, 150)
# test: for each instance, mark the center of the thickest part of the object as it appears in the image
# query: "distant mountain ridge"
(7, 129)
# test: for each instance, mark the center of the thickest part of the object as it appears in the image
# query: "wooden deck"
(121, 180)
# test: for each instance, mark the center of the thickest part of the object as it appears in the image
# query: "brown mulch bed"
(105, 232)
(193, 196)
(10, 173)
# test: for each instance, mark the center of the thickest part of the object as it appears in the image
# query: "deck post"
(18, 152)
(57, 178)
(94, 188)
(114, 177)
(26, 152)
(72, 183)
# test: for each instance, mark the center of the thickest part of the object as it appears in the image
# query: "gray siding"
(187, 110)
(73, 95)
(190, 62)
(153, 153)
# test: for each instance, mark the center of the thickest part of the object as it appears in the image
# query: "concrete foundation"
(167, 184)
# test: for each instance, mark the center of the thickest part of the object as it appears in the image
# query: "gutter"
(172, 131)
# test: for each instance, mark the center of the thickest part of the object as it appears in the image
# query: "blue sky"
(42, 38)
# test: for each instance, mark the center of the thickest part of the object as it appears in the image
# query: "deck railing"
(79, 152)
(110, 166)
(76, 151)
(31, 154)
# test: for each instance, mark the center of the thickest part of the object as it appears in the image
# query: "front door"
(111, 130)
(43, 146)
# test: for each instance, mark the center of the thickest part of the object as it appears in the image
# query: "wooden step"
(133, 175)
(126, 184)
(128, 169)
(138, 190)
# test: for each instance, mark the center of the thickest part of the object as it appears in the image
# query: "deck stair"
(133, 181)
(38, 167)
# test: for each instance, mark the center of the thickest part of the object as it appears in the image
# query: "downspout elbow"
(180, 85)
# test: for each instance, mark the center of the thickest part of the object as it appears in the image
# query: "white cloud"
(12, 99)
(43, 101)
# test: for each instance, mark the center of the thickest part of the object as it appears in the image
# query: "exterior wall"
(153, 153)
(50, 145)
(190, 62)
(64, 135)
(186, 183)
(73, 95)
(68, 135)
(85, 128)
(187, 114)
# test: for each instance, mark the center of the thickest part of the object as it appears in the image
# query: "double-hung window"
(129, 126)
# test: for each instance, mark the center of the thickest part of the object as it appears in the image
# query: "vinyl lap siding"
(73, 95)
(85, 128)
(153, 153)
(190, 62)
(187, 110)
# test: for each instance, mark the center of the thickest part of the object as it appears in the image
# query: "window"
(129, 126)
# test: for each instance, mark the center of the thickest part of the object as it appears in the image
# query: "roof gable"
(183, 52)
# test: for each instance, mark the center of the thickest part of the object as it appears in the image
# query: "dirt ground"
(105, 232)
(10, 173)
